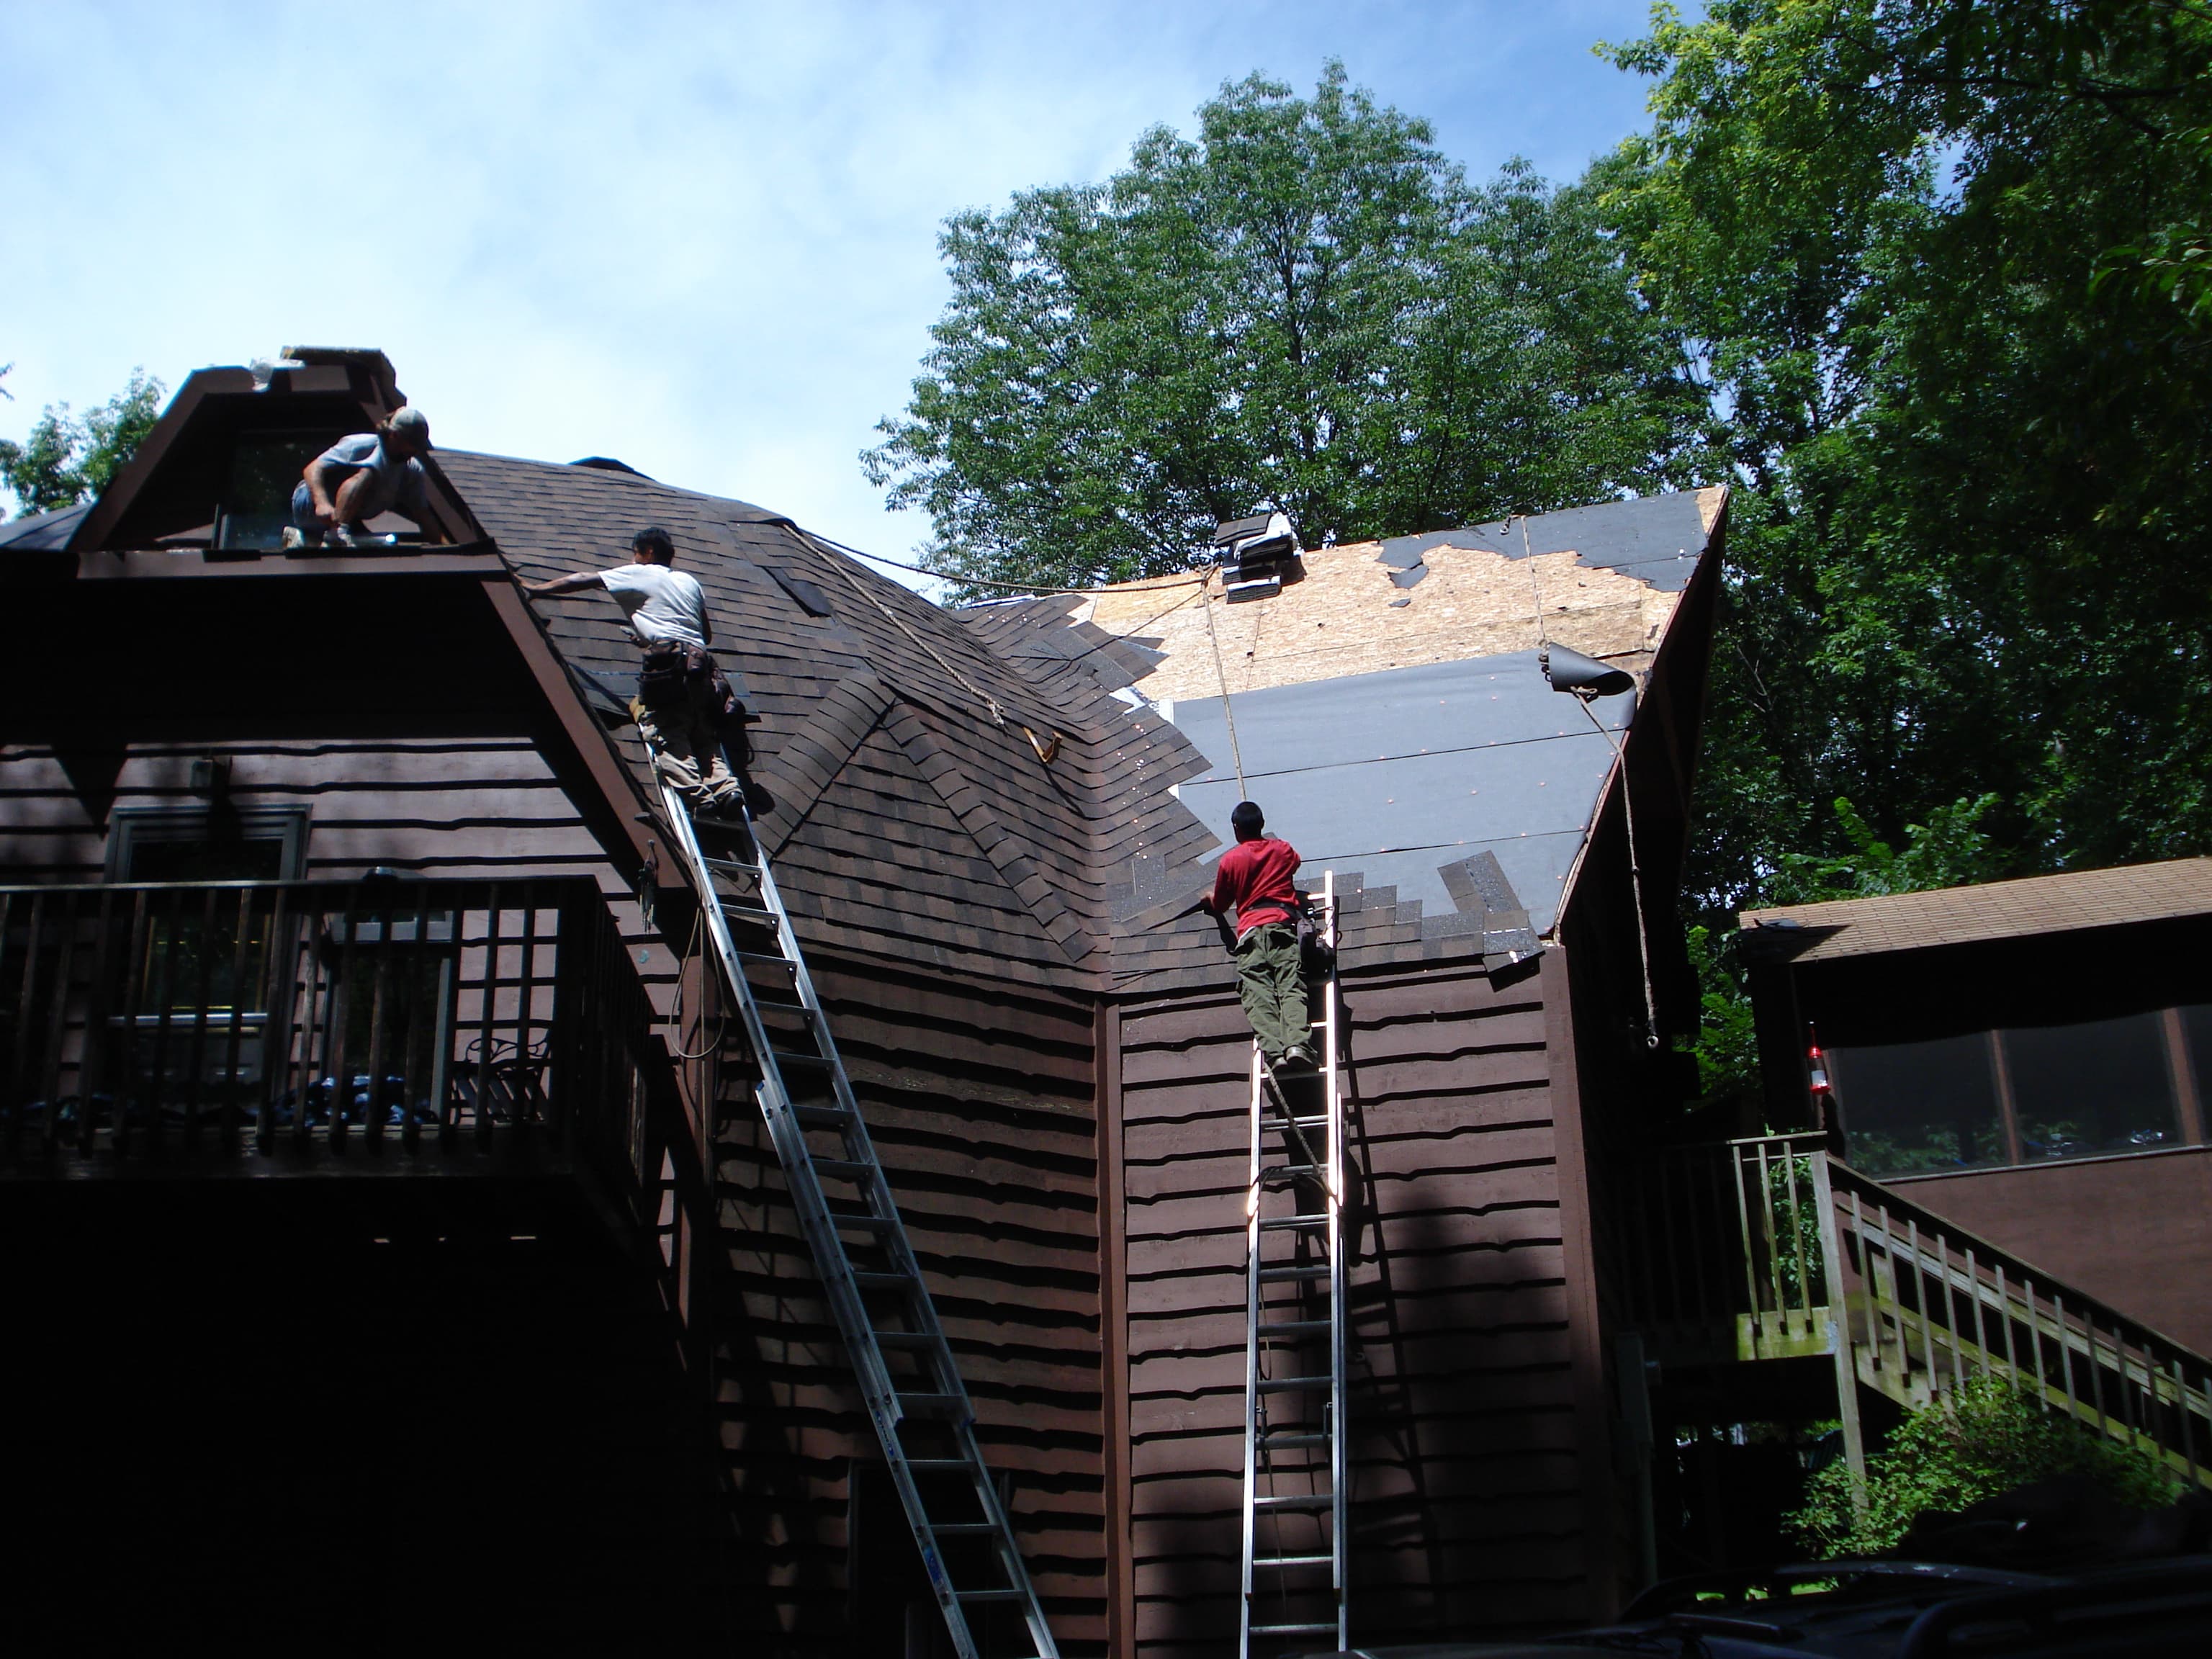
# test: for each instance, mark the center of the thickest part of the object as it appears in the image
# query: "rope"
(1037, 589)
(1235, 755)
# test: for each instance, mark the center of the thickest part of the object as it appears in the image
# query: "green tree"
(70, 458)
(1305, 306)
(1971, 550)
(1975, 1443)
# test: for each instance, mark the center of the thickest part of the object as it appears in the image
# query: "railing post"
(1839, 1330)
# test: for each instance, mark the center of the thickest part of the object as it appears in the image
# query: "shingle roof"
(42, 533)
(1994, 910)
(908, 820)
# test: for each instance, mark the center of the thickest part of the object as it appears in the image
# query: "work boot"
(1299, 1059)
(339, 535)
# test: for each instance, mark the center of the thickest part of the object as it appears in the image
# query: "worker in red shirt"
(1254, 878)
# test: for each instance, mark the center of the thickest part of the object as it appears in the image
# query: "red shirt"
(1256, 876)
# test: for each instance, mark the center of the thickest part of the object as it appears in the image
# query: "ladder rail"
(818, 1225)
(1331, 1168)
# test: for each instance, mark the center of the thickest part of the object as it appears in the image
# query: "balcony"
(391, 1025)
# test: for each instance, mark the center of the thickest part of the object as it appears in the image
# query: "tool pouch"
(662, 682)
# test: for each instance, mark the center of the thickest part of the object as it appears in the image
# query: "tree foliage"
(1978, 1441)
(1304, 305)
(70, 458)
(1972, 554)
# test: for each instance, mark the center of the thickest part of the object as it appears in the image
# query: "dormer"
(218, 470)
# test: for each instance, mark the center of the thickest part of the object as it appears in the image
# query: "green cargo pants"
(1272, 982)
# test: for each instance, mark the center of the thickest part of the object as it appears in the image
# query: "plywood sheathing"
(1340, 619)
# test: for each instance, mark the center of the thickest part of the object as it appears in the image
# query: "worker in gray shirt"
(683, 705)
(360, 477)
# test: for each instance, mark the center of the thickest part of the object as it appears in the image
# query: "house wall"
(2135, 1231)
(982, 1103)
(1468, 1515)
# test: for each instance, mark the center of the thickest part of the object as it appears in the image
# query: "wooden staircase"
(1770, 1248)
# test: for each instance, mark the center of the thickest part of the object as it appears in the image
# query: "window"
(215, 842)
(2099, 1087)
(1917, 1107)
(257, 495)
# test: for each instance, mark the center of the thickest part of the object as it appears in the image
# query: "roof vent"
(1253, 553)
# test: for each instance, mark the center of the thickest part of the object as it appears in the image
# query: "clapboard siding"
(1467, 1510)
(982, 1102)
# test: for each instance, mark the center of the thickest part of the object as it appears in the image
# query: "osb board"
(1339, 618)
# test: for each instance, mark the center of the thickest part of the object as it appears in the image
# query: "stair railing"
(1932, 1306)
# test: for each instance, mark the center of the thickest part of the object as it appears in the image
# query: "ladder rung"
(1002, 1594)
(874, 1223)
(1309, 1123)
(1289, 1326)
(838, 1169)
(1291, 1630)
(1319, 1500)
(1276, 1275)
(756, 959)
(1293, 1560)
(1287, 1437)
(788, 1057)
(1270, 1223)
(731, 867)
(934, 1405)
(963, 1528)
(1295, 1384)
(748, 915)
(875, 1281)
(820, 1117)
(939, 1465)
(1266, 1169)
(905, 1341)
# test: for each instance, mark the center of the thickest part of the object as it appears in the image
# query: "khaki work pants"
(1271, 982)
(687, 751)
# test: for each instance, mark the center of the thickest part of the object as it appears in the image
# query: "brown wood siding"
(982, 1100)
(1468, 1515)
(459, 806)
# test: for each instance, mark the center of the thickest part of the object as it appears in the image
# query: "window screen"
(1910, 1108)
(2099, 1087)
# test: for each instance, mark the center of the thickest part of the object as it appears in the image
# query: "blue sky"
(701, 238)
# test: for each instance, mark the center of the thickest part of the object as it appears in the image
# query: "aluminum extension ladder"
(875, 1288)
(1295, 1487)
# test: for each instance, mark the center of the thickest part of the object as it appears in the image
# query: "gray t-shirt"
(661, 604)
(391, 486)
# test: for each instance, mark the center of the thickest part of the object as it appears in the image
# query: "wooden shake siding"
(981, 1099)
(1467, 1507)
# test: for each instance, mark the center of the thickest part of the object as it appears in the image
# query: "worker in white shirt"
(682, 702)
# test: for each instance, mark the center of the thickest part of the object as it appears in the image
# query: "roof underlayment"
(1395, 732)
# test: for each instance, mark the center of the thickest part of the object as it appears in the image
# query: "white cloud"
(701, 238)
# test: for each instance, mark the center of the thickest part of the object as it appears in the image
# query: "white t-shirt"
(661, 604)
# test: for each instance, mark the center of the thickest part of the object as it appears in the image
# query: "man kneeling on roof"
(358, 477)
(683, 703)
(1254, 877)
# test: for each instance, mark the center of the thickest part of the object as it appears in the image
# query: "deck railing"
(1769, 1248)
(144, 1022)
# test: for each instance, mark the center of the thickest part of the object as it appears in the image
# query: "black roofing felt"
(1399, 773)
(1656, 539)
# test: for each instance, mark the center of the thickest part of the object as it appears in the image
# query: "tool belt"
(675, 679)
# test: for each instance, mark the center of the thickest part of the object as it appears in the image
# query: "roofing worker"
(1255, 876)
(360, 477)
(683, 703)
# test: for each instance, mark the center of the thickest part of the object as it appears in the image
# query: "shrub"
(1980, 1440)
